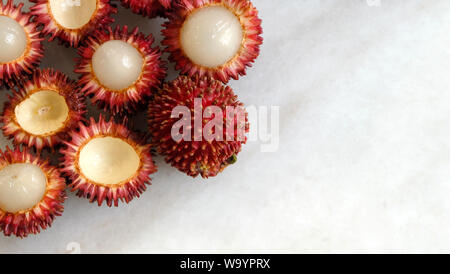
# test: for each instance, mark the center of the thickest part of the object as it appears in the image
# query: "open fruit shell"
(249, 51)
(47, 79)
(41, 216)
(12, 72)
(111, 194)
(118, 101)
(72, 37)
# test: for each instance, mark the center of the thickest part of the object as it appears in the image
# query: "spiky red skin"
(194, 158)
(111, 194)
(48, 79)
(71, 37)
(247, 15)
(127, 100)
(12, 72)
(149, 8)
(41, 216)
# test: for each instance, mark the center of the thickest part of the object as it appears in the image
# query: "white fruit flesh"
(72, 14)
(108, 161)
(13, 40)
(42, 113)
(211, 36)
(117, 65)
(22, 186)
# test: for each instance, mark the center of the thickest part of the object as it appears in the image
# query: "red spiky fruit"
(113, 84)
(72, 20)
(216, 38)
(150, 8)
(20, 43)
(198, 124)
(107, 162)
(42, 111)
(31, 193)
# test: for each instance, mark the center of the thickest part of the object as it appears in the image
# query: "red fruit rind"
(194, 158)
(47, 79)
(101, 17)
(125, 191)
(153, 72)
(13, 71)
(251, 24)
(150, 8)
(41, 216)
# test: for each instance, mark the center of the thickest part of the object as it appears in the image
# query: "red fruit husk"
(247, 15)
(47, 79)
(12, 72)
(149, 8)
(194, 158)
(72, 37)
(111, 194)
(127, 100)
(41, 216)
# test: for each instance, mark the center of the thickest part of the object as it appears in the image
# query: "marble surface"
(363, 163)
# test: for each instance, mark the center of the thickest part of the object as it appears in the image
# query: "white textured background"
(364, 157)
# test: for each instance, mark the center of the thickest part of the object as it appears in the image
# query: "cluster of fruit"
(121, 72)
